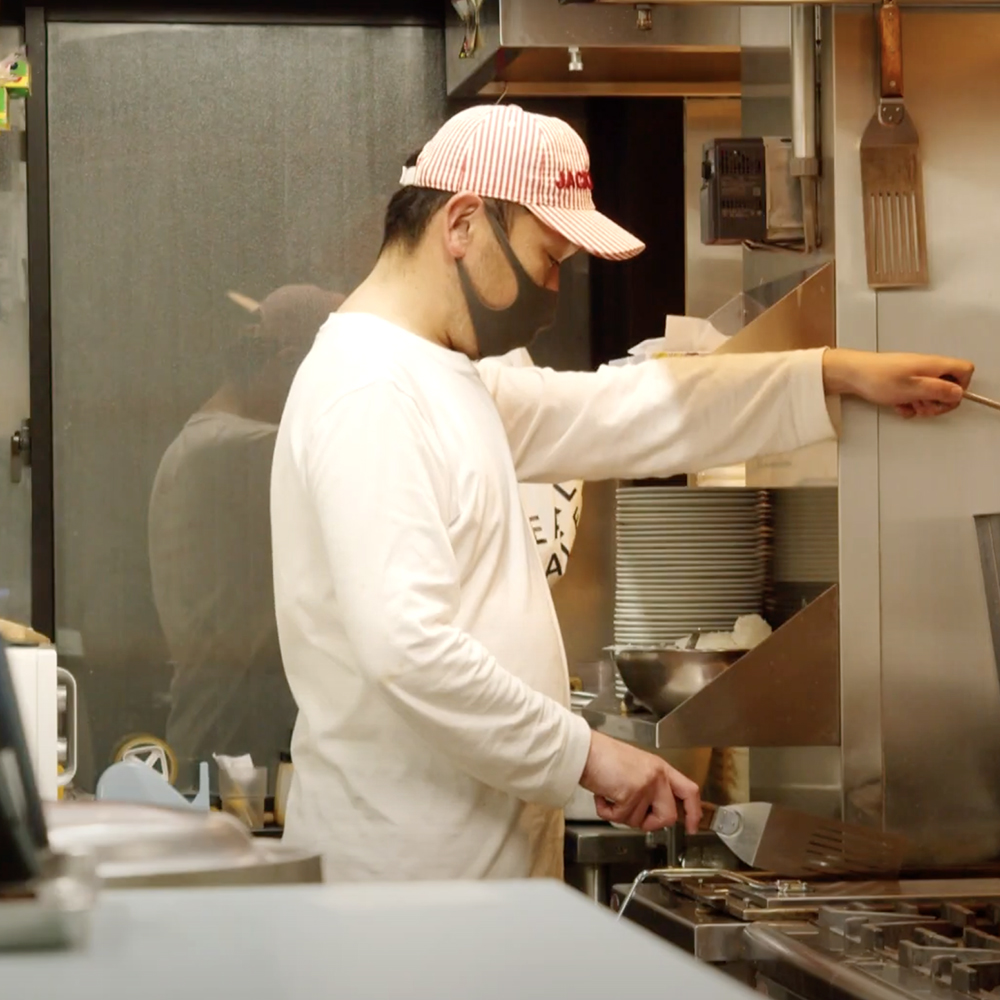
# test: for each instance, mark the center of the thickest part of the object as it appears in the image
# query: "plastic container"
(282, 783)
(244, 799)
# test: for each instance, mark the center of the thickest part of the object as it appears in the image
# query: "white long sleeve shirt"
(416, 626)
(553, 509)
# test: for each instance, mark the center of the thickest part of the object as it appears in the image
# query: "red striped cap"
(501, 151)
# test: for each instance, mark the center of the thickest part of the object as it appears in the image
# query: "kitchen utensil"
(664, 678)
(973, 397)
(784, 841)
(891, 175)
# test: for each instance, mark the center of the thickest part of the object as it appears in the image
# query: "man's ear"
(458, 214)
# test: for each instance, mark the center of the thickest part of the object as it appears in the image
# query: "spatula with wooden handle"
(787, 842)
(973, 397)
(892, 181)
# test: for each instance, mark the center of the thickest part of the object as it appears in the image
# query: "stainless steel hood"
(524, 51)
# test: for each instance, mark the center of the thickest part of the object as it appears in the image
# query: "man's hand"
(636, 789)
(912, 383)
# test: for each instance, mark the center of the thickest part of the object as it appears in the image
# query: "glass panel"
(194, 172)
(188, 163)
(15, 499)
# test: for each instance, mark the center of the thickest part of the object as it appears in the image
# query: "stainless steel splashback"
(921, 705)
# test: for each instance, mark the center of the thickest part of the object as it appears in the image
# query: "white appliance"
(45, 691)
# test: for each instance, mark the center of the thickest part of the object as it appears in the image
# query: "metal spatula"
(892, 181)
(787, 842)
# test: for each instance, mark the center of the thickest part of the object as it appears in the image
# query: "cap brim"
(591, 231)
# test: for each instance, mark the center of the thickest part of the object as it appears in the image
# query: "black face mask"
(499, 331)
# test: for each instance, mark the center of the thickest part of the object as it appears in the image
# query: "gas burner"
(922, 939)
(956, 944)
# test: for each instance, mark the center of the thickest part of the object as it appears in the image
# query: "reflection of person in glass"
(210, 542)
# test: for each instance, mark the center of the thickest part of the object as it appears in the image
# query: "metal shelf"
(784, 693)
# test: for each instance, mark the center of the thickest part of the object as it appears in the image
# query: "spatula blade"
(787, 842)
(893, 192)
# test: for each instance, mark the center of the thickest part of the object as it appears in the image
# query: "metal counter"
(598, 855)
(489, 940)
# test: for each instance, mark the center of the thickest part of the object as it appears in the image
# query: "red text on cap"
(579, 180)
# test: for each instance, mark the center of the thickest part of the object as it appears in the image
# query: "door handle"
(72, 701)
(20, 451)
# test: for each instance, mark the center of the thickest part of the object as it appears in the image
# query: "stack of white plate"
(806, 547)
(687, 559)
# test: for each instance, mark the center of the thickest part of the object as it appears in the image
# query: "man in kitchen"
(433, 739)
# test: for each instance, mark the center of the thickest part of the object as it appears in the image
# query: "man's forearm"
(660, 417)
(916, 384)
(839, 371)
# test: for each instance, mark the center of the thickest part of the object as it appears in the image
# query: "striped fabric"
(504, 152)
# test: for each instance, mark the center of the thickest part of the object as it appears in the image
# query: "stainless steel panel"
(850, 97)
(769, 896)
(988, 533)
(802, 969)
(509, 27)
(805, 780)
(528, 23)
(764, 4)
(919, 684)
(766, 100)
(688, 925)
(714, 274)
(783, 693)
(15, 499)
(940, 700)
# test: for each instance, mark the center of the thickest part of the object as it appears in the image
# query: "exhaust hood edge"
(699, 44)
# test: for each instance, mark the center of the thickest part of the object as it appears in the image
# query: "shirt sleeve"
(381, 486)
(660, 417)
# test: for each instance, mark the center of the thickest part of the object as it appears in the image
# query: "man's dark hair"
(412, 208)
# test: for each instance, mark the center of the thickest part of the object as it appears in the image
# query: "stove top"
(925, 946)
(913, 939)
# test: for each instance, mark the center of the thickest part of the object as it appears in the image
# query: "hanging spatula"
(787, 842)
(892, 181)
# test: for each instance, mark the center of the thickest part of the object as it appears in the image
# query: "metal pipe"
(776, 951)
(740, 878)
(805, 164)
(803, 53)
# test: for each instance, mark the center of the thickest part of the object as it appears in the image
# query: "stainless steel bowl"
(662, 679)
